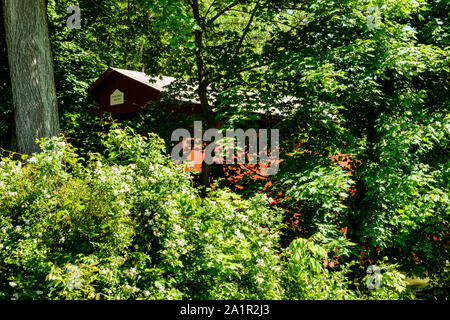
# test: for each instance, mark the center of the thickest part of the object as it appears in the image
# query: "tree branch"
(220, 13)
(209, 9)
(246, 29)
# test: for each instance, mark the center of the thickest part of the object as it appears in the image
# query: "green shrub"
(306, 276)
(235, 249)
(129, 224)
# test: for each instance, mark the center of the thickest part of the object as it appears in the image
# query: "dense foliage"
(130, 224)
(372, 94)
(363, 89)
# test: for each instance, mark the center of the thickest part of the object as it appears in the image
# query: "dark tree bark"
(361, 203)
(31, 71)
(208, 114)
(204, 78)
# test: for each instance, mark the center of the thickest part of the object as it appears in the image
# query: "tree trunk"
(202, 91)
(361, 202)
(31, 71)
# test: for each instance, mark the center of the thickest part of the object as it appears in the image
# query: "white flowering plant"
(131, 224)
(128, 223)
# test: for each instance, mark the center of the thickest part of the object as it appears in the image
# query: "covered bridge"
(119, 91)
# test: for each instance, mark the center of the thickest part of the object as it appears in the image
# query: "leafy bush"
(235, 242)
(128, 224)
(392, 283)
(307, 278)
(409, 190)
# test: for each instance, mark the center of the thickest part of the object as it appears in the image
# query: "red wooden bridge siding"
(136, 94)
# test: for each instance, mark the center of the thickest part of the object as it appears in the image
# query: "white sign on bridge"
(117, 97)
